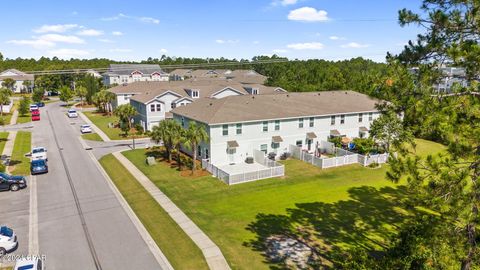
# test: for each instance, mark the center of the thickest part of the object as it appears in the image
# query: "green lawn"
(180, 250)
(92, 137)
(22, 146)
(336, 208)
(3, 140)
(101, 121)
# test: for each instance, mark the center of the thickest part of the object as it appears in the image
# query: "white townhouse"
(128, 73)
(238, 125)
(23, 82)
(154, 100)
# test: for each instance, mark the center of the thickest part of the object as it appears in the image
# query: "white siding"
(226, 93)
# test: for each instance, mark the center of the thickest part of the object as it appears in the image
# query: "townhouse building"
(23, 82)
(128, 73)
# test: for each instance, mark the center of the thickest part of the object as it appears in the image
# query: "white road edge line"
(157, 253)
(33, 218)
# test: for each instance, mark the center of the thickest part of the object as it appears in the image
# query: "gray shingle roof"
(264, 107)
(127, 69)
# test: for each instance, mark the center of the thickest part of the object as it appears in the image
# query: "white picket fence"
(342, 156)
(274, 169)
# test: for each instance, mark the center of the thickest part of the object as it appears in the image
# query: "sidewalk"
(14, 118)
(100, 133)
(8, 149)
(210, 250)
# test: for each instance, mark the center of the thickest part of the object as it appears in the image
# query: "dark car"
(38, 166)
(12, 182)
(40, 104)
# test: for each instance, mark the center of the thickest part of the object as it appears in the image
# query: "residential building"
(23, 82)
(129, 73)
(154, 100)
(246, 76)
(239, 75)
(451, 76)
(94, 73)
(238, 125)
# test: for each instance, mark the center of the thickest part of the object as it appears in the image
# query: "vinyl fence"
(369, 159)
(272, 169)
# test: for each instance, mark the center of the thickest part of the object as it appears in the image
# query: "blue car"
(40, 104)
(12, 182)
(38, 166)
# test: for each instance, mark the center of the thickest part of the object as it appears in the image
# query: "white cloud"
(120, 50)
(355, 45)
(62, 38)
(336, 38)
(56, 28)
(140, 19)
(68, 53)
(106, 40)
(284, 2)
(306, 46)
(90, 33)
(163, 50)
(279, 51)
(149, 20)
(117, 33)
(37, 44)
(308, 14)
(223, 41)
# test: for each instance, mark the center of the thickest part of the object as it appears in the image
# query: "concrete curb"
(211, 252)
(102, 135)
(157, 253)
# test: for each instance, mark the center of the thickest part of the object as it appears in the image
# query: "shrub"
(336, 140)
(2, 121)
(2, 167)
(373, 165)
(364, 145)
(24, 106)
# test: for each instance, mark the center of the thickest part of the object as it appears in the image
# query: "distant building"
(94, 73)
(23, 82)
(128, 73)
(239, 75)
(452, 76)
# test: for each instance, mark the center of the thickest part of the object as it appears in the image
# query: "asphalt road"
(81, 224)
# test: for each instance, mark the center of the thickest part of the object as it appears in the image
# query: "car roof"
(72, 110)
(38, 161)
(85, 125)
(38, 147)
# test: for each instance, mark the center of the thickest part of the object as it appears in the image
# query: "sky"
(136, 30)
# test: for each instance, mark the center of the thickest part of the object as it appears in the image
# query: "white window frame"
(239, 128)
(225, 130)
(300, 123)
(311, 122)
(277, 125)
(265, 126)
(152, 107)
(342, 119)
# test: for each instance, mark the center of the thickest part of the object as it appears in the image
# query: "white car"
(33, 107)
(31, 262)
(39, 153)
(85, 129)
(72, 113)
(8, 240)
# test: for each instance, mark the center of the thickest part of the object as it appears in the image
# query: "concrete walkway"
(8, 149)
(211, 252)
(14, 118)
(97, 130)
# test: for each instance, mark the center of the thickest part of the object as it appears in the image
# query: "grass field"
(22, 146)
(3, 140)
(92, 137)
(181, 252)
(101, 121)
(339, 207)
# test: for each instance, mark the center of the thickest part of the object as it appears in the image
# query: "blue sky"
(135, 30)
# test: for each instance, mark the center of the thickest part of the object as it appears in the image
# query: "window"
(300, 122)
(264, 148)
(299, 143)
(194, 94)
(172, 105)
(183, 122)
(277, 124)
(360, 117)
(342, 119)
(312, 122)
(152, 107)
(254, 91)
(206, 153)
(332, 120)
(159, 107)
(265, 126)
(225, 130)
(125, 97)
(239, 129)
(370, 117)
(199, 151)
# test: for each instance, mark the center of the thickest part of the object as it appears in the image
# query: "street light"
(133, 137)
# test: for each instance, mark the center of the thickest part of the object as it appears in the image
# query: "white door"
(231, 155)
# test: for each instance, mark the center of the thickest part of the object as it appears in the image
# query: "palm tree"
(171, 134)
(81, 91)
(194, 135)
(4, 98)
(109, 97)
(125, 112)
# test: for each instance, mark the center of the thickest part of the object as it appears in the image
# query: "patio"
(243, 167)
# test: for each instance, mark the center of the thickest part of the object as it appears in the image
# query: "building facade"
(23, 82)
(128, 73)
(239, 125)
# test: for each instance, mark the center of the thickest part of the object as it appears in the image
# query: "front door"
(309, 145)
(231, 155)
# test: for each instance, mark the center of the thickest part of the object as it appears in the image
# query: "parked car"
(33, 107)
(8, 240)
(31, 262)
(72, 113)
(39, 153)
(38, 166)
(85, 129)
(12, 182)
(40, 104)
(35, 115)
